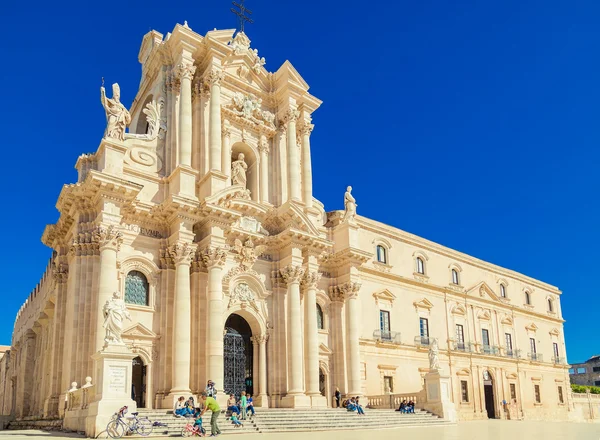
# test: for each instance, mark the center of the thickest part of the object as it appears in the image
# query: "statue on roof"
(349, 205)
(117, 116)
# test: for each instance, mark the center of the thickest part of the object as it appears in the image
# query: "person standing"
(211, 403)
(338, 396)
(243, 404)
(211, 391)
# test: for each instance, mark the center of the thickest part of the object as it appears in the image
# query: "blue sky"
(479, 119)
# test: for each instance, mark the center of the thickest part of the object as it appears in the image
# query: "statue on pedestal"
(238, 171)
(434, 356)
(349, 205)
(117, 116)
(115, 313)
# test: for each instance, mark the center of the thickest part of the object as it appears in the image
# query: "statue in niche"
(434, 356)
(349, 205)
(115, 313)
(117, 116)
(238, 171)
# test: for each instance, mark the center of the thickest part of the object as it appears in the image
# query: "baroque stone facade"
(202, 219)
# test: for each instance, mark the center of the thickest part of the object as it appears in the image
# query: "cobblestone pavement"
(484, 430)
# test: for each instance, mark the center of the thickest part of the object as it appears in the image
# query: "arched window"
(136, 288)
(550, 305)
(502, 290)
(455, 276)
(420, 266)
(320, 317)
(381, 254)
(527, 298)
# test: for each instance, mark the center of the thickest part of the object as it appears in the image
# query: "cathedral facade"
(201, 218)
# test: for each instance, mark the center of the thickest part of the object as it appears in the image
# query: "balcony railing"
(559, 360)
(423, 341)
(535, 357)
(489, 350)
(512, 353)
(465, 347)
(387, 336)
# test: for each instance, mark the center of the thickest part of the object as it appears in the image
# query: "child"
(251, 405)
(236, 422)
(198, 422)
(243, 404)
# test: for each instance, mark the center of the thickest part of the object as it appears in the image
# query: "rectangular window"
(513, 391)
(384, 324)
(388, 384)
(464, 390)
(424, 328)
(508, 339)
(581, 370)
(597, 383)
(532, 346)
(561, 398)
(460, 336)
(538, 398)
(485, 337)
(555, 348)
(595, 369)
(571, 370)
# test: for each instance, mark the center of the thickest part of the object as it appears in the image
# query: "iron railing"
(535, 357)
(558, 360)
(387, 336)
(490, 350)
(512, 353)
(465, 347)
(423, 341)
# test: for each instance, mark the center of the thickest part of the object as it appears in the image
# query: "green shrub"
(583, 389)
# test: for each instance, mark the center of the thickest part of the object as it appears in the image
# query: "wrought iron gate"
(234, 360)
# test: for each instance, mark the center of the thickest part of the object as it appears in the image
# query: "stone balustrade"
(392, 401)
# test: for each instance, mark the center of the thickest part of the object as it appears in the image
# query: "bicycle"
(118, 425)
(192, 429)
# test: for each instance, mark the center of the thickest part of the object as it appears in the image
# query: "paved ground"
(487, 430)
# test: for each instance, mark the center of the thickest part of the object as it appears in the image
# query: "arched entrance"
(488, 390)
(237, 356)
(138, 382)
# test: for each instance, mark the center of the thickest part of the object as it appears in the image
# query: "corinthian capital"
(214, 77)
(350, 289)
(260, 339)
(336, 294)
(60, 272)
(292, 274)
(108, 237)
(181, 253)
(214, 257)
(307, 129)
(185, 70)
(311, 279)
(291, 115)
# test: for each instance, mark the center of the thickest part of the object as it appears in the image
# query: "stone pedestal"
(182, 182)
(296, 401)
(437, 385)
(113, 368)
(212, 183)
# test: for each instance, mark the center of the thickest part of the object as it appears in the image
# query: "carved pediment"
(138, 331)
(463, 372)
(531, 327)
(423, 304)
(484, 291)
(484, 315)
(384, 296)
(554, 332)
(458, 309)
(512, 376)
(324, 350)
(289, 216)
(507, 320)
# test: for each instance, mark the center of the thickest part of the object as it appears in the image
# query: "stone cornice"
(424, 244)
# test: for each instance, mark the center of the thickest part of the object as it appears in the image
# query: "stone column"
(263, 148)
(185, 72)
(214, 79)
(109, 240)
(310, 281)
(255, 355)
(306, 165)
(293, 160)
(214, 259)
(181, 253)
(350, 291)
(262, 368)
(226, 151)
(292, 276)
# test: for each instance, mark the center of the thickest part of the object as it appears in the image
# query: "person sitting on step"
(351, 405)
(250, 407)
(180, 409)
(359, 407)
(232, 405)
(236, 422)
(410, 407)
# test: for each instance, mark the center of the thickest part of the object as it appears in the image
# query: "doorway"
(138, 382)
(238, 356)
(488, 390)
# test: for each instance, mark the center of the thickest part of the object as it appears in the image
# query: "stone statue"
(117, 116)
(238, 171)
(114, 314)
(349, 205)
(434, 356)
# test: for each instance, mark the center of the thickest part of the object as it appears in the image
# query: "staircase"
(294, 420)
